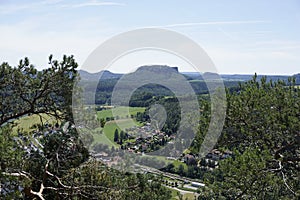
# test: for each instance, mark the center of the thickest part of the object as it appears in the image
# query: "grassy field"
(107, 137)
(102, 138)
(26, 123)
(120, 112)
(188, 196)
(196, 81)
(111, 126)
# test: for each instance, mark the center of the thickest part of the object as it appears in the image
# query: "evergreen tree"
(116, 135)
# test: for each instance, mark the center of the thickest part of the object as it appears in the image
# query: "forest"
(49, 161)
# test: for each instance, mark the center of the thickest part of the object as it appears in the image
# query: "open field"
(111, 126)
(26, 123)
(121, 112)
(186, 196)
(107, 137)
(102, 138)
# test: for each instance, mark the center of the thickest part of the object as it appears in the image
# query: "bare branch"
(285, 181)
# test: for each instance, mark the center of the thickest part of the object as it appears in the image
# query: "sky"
(241, 37)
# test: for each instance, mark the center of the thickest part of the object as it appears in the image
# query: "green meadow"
(187, 196)
(120, 112)
(101, 135)
(111, 126)
(26, 123)
(123, 120)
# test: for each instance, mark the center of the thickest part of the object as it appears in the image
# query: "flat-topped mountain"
(106, 82)
(158, 69)
(164, 69)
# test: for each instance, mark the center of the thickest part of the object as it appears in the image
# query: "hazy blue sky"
(260, 36)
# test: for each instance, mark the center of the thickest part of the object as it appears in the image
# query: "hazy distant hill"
(87, 76)
(245, 77)
(157, 69)
(238, 77)
(106, 85)
(190, 76)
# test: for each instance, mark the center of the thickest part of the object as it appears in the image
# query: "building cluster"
(145, 139)
(209, 162)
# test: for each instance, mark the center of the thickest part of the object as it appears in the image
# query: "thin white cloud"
(93, 3)
(51, 1)
(214, 23)
(14, 8)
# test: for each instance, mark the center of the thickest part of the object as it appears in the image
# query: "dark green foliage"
(11, 155)
(102, 122)
(24, 90)
(116, 136)
(180, 170)
(262, 128)
(51, 162)
(171, 105)
(95, 181)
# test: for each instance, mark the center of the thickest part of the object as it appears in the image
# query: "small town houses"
(145, 139)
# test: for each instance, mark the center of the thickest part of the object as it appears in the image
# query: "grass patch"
(111, 126)
(177, 163)
(174, 194)
(106, 135)
(120, 112)
(25, 123)
(188, 196)
(196, 81)
(102, 138)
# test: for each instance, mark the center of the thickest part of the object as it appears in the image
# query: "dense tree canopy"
(262, 129)
(25, 90)
(50, 161)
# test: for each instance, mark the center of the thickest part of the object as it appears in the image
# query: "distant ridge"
(158, 69)
(105, 74)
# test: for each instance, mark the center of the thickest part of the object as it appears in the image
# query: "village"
(145, 139)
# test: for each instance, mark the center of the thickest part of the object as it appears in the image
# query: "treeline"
(142, 97)
(190, 171)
